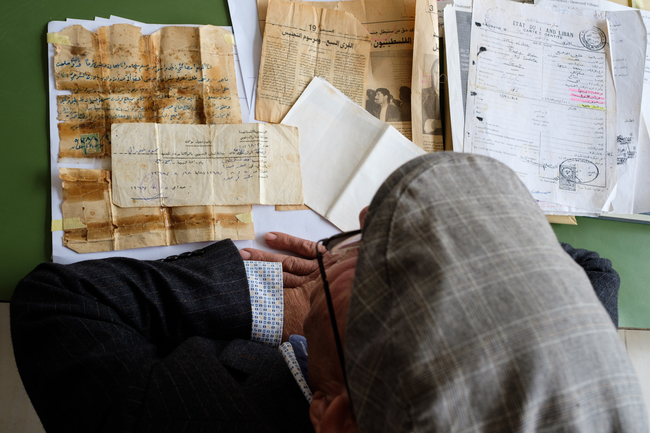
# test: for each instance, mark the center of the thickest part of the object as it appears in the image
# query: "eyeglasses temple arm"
(330, 308)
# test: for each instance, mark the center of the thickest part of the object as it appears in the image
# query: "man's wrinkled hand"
(296, 307)
(300, 275)
(296, 270)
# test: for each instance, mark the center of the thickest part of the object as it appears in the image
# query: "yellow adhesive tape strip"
(230, 39)
(57, 38)
(246, 218)
(639, 4)
(67, 224)
(562, 219)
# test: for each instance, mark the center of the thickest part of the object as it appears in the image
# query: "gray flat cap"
(467, 316)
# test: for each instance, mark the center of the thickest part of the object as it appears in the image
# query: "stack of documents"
(148, 148)
(157, 139)
(85, 218)
(369, 50)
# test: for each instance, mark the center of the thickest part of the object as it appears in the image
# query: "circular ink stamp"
(577, 171)
(495, 18)
(156, 186)
(593, 39)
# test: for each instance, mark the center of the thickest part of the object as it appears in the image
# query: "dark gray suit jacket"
(128, 345)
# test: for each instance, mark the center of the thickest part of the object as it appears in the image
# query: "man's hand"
(296, 307)
(296, 271)
(300, 275)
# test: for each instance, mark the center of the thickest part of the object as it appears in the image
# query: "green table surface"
(627, 245)
(25, 237)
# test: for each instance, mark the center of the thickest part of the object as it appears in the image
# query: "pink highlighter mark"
(590, 101)
(588, 96)
(593, 98)
(585, 91)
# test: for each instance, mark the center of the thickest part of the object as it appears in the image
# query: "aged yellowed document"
(425, 98)
(101, 226)
(366, 11)
(175, 75)
(391, 24)
(302, 42)
(188, 165)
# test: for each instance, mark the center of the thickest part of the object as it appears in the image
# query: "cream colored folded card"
(190, 165)
(346, 153)
(302, 42)
(118, 75)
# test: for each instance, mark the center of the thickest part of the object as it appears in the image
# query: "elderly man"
(458, 311)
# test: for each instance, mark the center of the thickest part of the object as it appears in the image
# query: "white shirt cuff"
(267, 301)
(286, 349)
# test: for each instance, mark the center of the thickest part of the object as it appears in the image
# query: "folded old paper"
(105, 227)
(391, 24)
(188, 165)
(346, 153)
(118, 75)
(302, 42)
(425, 97)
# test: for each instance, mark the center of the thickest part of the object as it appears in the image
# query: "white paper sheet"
(629, 43)
(541, 99)
(346, 153)
(577, 6)
(642, 181)
(248, 37)
(642, 175)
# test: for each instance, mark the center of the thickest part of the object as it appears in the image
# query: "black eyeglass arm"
(335, 328)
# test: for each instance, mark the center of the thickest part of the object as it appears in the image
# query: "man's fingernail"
(270, 237)
(245, 254)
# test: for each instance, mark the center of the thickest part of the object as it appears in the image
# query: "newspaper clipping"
(391, 25)
(302, 42)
